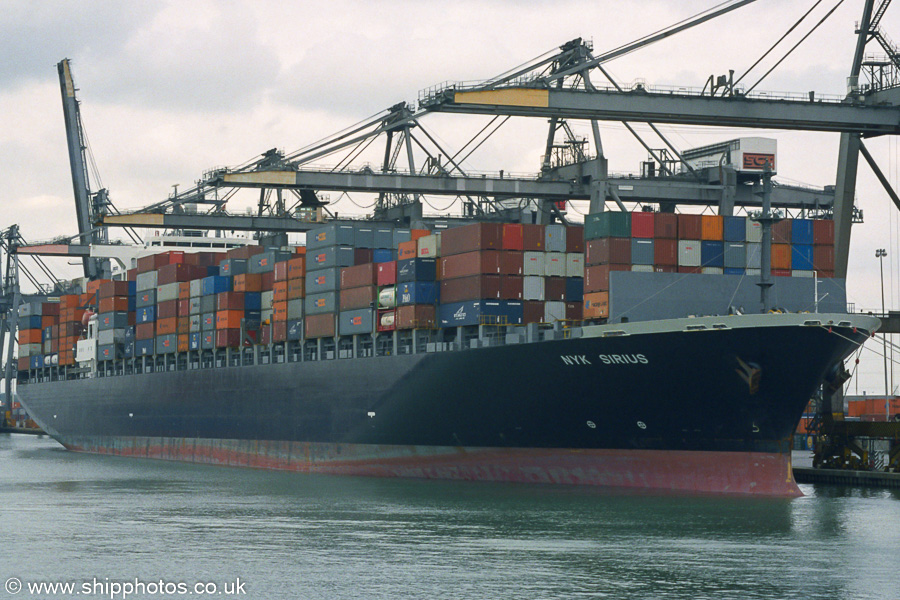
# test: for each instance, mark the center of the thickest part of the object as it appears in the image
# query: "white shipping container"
(266, 299)
(26, 350)
(554, 311)
(265, 315)
(712, 271)
(753, 272)
(429, 246)
(145, 281)
(575, 264)
(167, 292)
(196, 288)
(642, 268)
(554, 264)
(86, 350)
(532, 287)
(534, 264)
(110, 336)
(754, 231)
(194, 324)
(688, 253)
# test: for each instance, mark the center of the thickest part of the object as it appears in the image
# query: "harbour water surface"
(68, 517)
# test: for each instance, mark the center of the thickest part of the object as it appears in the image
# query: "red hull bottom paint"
(757, 473)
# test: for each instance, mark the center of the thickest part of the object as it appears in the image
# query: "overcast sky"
(170, 89)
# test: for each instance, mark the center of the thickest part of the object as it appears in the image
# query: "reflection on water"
(74, 516)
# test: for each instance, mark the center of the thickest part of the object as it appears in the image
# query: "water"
(68, 517)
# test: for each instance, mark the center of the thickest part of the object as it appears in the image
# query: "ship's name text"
(606, 359)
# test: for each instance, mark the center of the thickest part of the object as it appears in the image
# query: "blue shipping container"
(641, 251)
(475, 312)
(712, 254)
(146, 314)
(734, 271)
(416, 269)
(194, 341)
(295, 330)
(214, 284)
(417, 292)
(400, 236)
(384, 239)
(128, 349)
(252, 301)
(383, 255)
(574, 289)
(144, 347)
(801, 258)
(32, 322)
(37, 361)
(735, 229)
(802, 232)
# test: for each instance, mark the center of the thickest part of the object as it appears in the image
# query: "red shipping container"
(826, 274)
(487, 262)
(319, 325)
(266, 281)
(532, 311)
(781, 272)
(477, 287)
(229, 301)
(297, 268)
(166, 310)
(360, 297)
(610, 250)
(697, 270)
(512, 237)
(575, 238)
(511, 287)
(144, 331)
(690, 227)
(823, 258)
(533, 238)
(358, 276)
(574, 311)
(281, 270)
(555, 289)
(184, 308)
(665, 252)
(245, 252)
(131, 274)
(279, 331)
(781, 231)
(203, 259)
(362, 256)
(228, 338)
(596, 277)
(50, 309)
(265, 334)
(178, 272)
(247, 282)
(113, 304)
(475, 236)
(642, 224)
(665, 269)
(109, 289)
(167, 326)
(665, 225)
(387, 273)
(823, 232)
(415, 316)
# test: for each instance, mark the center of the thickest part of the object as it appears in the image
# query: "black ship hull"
(691, 404)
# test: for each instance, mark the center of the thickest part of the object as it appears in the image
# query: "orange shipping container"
(279, 311)
(712, 227)
(781, 256)
(184, 290)
(184, 342)
(94, 286)
(596, 305)
(296, 289)
(114, 304)
(86, 299)
(296, 268)
(68, 301)
(48, 321)
(280, 291)
(184, 325)
(29, 336)
(856, 408)
(167, 326)
(415, 234)
(229, 319)
(248, 282)
(406, 250)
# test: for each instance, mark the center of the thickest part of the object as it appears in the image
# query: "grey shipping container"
(400, 236)
(754, 253)
(113, 320)
(384, 238)
(232, 267)
(330, 235)
(329, 257)
(194, 324)
(145, 298)
(735, 254)
(196, 288)
(641, 251)
(754, 231)
(208, 340)
(554, 264)
(264, 262)
(555, 238)
(575, 264)
(325, 280)
(110, 336)
(554, 311)
(317, 304)
(266, 299)
(207, 304)
(295, 309)
(532, 287)
(364, 236)
(166, 292)
(208, 321)
(166, 344)
(642, 268)
(194, 304)
(533, 263)
(351, 322)
(30, 309)
(145, 281)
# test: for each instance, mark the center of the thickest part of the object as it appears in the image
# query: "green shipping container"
(607, 224)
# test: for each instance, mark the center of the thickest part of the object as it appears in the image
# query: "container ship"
(488, 351)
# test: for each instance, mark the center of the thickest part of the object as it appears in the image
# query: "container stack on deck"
(697, 244)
